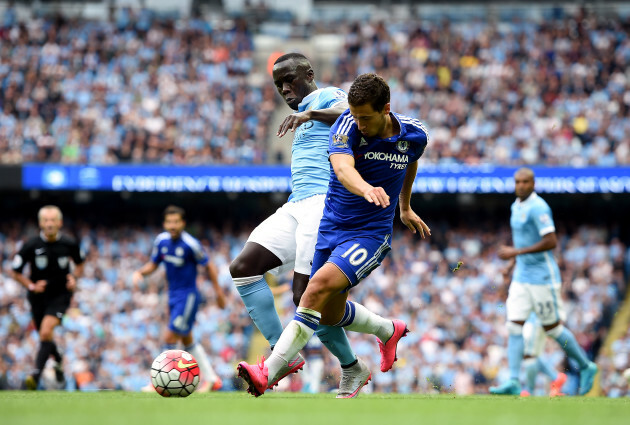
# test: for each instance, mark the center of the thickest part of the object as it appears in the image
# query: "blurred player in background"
(181, 254)
(536, 284)
(50, 286)
(534, 338)
(287, 238)
(374, 155)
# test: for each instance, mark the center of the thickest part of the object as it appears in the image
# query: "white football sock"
(207, 372)
(360, 319)
(293, 339)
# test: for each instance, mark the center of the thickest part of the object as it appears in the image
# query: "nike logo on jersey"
(183, 365)
(39, 251)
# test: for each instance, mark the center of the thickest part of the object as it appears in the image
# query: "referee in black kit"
(50, 286)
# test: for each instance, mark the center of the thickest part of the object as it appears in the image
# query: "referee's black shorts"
(55, 306)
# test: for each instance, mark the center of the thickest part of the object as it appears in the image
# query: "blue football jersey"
(180, 257)
(530, 221)
(310, 170)
(380, 162)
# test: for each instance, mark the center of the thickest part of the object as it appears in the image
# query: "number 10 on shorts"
(357, 256)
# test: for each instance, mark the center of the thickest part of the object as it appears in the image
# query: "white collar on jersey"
(309, 98)
(530, 198)
(45, 239)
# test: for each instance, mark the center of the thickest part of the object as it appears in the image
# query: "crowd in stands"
(131, 90)
(140, 89)
(613, 364)
(457, 342)
(552, 92)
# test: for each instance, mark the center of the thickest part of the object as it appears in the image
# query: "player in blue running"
(373, 153)
(535, 285)
(181, 254)
(287, 238)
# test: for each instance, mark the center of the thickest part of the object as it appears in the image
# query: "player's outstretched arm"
(407, 215)
(213, 274)
(327, 116)
(349, 177)
(143, 271)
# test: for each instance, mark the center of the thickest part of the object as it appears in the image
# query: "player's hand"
(414, 222)
(39, 286)
(377, 196)
(71, 282)
(136, 278)
(292, 122)
(220, 299)
(506, 252)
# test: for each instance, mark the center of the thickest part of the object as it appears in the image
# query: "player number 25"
(357, 256)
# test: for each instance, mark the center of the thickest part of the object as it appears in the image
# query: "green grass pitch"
(120, 408)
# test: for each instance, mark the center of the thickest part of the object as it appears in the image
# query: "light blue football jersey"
(530, 221)
(181, 257)
(310, 170)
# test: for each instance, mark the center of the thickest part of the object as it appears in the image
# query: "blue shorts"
(183, 310)
(355, 253)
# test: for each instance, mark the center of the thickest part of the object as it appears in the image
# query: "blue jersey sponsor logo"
(380, 162)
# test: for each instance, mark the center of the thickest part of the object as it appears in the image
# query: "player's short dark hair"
(369, 89)
(297, 56)
(172, 209)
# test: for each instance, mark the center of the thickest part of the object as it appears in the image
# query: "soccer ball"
(175, 373)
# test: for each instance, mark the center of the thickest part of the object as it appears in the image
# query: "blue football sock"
(515, 354)
(569, 344)
(166, 347)
(336, 340)
(258, 299)
(546, 369)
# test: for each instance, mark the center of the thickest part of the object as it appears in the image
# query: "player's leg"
(47, 316)
(182, 325)
(327, 282)
(46, 345)
(355, 375)
(308, 214)
(58, 308)
(270, 245)
(533, 339)
(518, 306)
(210, 381)
(550, 311)
(356, 258)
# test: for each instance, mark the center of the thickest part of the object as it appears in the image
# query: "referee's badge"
(41, 261)
(63, 262)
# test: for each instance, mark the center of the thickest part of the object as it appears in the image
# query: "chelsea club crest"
(402, 146)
